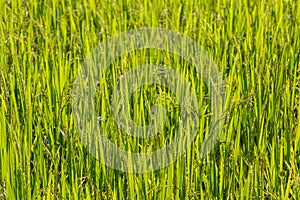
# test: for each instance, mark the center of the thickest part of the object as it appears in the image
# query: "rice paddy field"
(255, 46)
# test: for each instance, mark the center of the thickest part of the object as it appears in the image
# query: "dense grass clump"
(256, 46)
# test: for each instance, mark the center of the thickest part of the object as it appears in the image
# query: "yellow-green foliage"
(256, 46)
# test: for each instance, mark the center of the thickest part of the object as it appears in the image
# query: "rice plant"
(256, 47)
